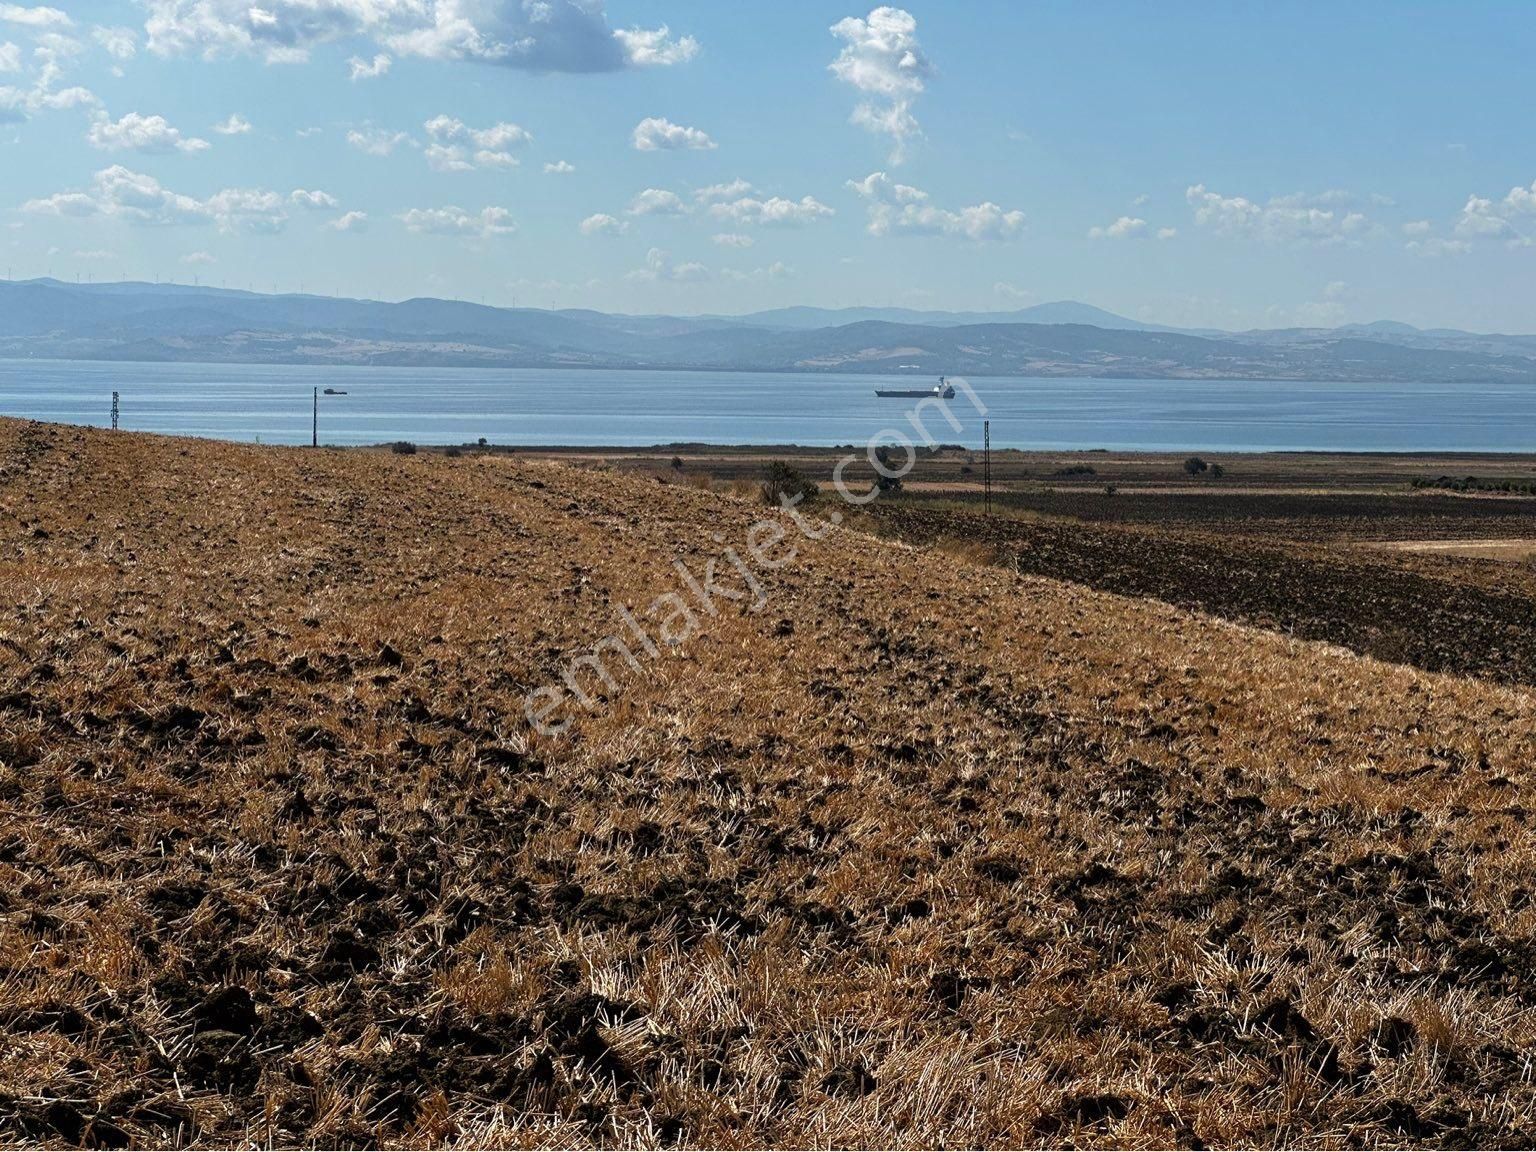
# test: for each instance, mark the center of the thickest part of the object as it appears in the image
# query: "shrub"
(1217, 471)
(1110, 489)
(452, 453)
(403, 448)
(1194, 465)
(677, 463)
(1075, 470)
(783, 481)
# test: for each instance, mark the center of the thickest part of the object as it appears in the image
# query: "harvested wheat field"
(921, 852)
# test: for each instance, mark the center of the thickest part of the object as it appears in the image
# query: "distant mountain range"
(164, 322)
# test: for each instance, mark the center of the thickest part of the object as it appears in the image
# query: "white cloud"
(659, 266)
(729, 191)
(540, 35)
(375, 141)
(122, 193)
(1167, 233)
(198, 258)
(602, 224)
(50, 50)
(34, 17)
(1481, 216)
(1436, 246)
(900, 208)
(1417, 228)
(655, 133)
(1011, 292)
(883, 60)
(879, 186)
(369, 69)
(559, 168)
(455, 147)
(137, 133)
(651, 47)
(1281, 220)
(313, 200)
(350, 222)
(774, 211)
(118, 43)
(1125, 228)
(236, 125)
(732, 239)
(453, 221)
(778, 270)
(657, 202)
(979, 222)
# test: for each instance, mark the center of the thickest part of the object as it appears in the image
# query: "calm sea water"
(535, 406)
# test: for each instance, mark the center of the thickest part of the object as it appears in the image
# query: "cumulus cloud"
(883, 60)
(375, 141)
(774, 211)
(651, 47)
(136, 133)
(602, 224)
(655, 133)
(559, 168)
(1482, 216)
(1125, 228)
(453, 146)
(369, 69)
(538, 35)
(728, 191)
(140, 199)
(453, 221)
(51, 51)
(313, 200)
(197, 259)
(350, 222)
(1167, 233)
(1417, 228)
(902, 209)
(34, 17)
(659, 266)
(657, 202)
(879, 186)
(1321, 219)
(118, 43)
(236, 125)
(732, 239)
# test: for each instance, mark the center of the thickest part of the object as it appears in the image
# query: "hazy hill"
(47, 318)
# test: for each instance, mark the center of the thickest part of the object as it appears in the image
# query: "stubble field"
(926, 850)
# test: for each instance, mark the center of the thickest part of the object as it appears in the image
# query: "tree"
(783, 481)
(1194, 465)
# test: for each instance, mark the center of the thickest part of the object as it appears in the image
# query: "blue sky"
(1230, 165)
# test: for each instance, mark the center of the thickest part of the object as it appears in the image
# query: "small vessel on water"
(335, 392)
(943, 390)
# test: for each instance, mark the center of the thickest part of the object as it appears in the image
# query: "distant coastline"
(177, 324)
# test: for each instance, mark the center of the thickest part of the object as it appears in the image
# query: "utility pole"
(114, 411)
(986, 462)
(314, 435)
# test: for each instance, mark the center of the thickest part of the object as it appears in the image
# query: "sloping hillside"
(918, 852)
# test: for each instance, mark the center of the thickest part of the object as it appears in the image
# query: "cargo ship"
(943, 390)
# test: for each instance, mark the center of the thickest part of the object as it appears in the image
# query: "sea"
(274, 404)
